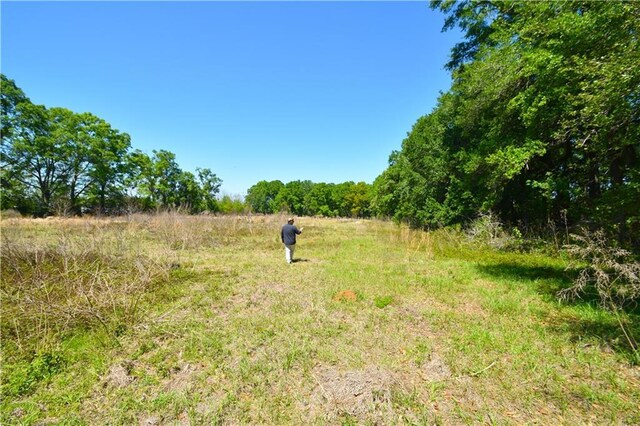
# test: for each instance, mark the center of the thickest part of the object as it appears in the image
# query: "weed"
(41, 368)
(74, 283)
(383, 301)
(612, 272)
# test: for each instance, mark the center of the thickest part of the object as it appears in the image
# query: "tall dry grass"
(63, 274)
(57, 275)
(184, 232)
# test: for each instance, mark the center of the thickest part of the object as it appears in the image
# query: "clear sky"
(252, 90)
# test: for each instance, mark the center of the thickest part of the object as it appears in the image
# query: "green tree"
(261, 196)
(319, 200)
(189, 194)
(159, 177)
(291, 197)
(34, 157)
(542, 120)
(415, 187)
(108, 155)
(140, 180)
(210, 186)
(548, 106)
(358, 200)
(231, 205)
(339, 197)
(14, 192)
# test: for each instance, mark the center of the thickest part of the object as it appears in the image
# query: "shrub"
(84, 282)
(383, 301)
(610, 271)
(488, 230)
(10, 214)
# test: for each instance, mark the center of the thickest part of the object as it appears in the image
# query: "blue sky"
(252, 90)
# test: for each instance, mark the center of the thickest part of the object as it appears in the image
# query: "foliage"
(231, 205)
(41, 368)
(261, 196)
(291, 197)
(541, 121)
(611, 271)
(55, 161)
(347, 199)
(383, 301)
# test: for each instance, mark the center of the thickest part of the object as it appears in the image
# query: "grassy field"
(168, 319)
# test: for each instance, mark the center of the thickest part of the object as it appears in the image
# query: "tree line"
(55, 161)
(540, 126)
(303, 197)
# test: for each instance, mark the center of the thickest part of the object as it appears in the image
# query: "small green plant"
(383, 301)
(41, 368)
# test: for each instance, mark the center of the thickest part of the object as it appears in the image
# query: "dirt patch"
(416, 378)
(345, 296)
(472, 308)
(180, 378)
(262, 296)
(149, 421)
(414, 317)
(365, 394)
(119, 375)
(435, 369)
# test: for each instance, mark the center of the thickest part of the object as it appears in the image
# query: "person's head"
(290, 221)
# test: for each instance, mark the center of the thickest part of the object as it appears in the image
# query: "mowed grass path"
(374, 324)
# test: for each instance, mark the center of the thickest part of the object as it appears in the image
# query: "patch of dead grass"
(364, 394)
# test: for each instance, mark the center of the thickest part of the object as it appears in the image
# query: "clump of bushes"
(50, 289)
(488, 230)
(610, 271)
(10, 214)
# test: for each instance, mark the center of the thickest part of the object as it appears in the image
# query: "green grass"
(439, 333)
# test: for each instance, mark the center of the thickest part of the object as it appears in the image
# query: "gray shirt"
(288, 234)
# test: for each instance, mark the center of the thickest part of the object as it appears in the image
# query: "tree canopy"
(56, 161)
(541, 122)
(347, 199)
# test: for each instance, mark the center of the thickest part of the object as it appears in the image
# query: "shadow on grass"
(547, 280)
(300, 260)
(592, 323)
(604, 330)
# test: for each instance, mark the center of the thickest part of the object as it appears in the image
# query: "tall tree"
(159, 177)
(542, 120)
(291, 197)
(548, 100)
(358, 200)
(261, 196)
(108, 154)
(319, 200)
(14, 193)
(40, 160)
(210, 185)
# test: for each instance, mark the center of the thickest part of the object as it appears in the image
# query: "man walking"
(288, 237)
